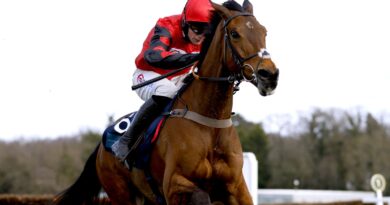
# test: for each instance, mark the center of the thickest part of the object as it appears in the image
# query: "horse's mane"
(233, 5)
(216, 18)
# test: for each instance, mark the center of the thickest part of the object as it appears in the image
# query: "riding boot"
(145, 115)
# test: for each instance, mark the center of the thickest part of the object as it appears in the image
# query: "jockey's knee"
(163, 100)
(167, 91)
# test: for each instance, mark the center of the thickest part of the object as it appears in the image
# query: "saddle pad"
(113, 132)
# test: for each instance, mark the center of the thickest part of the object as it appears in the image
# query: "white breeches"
(164, 87)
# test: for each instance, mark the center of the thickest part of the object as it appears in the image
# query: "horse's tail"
(86, 188)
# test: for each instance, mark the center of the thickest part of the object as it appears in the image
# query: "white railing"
(273, 196)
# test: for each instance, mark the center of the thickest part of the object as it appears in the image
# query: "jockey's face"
(195, 38)
(196, 34)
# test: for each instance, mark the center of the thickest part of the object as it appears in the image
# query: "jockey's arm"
(159, 55)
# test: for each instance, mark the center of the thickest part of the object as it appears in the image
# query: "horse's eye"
(234, 34)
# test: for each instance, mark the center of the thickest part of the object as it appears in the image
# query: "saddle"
(142, 151)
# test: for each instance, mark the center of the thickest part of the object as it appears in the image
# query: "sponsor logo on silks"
(140, 78)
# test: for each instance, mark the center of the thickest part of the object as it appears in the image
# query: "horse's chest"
(224, 166)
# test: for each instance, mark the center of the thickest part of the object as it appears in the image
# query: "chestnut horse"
(195, 160)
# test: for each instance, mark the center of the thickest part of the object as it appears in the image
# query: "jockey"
(173, 43)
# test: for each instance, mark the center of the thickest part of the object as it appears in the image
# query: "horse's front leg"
(179, 190)
(233, 190)
(239, 193)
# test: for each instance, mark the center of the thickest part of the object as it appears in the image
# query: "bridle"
(236, 78)
(233, 78)
(240, 61)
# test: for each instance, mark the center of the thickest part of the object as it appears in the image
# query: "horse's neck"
(212, 99)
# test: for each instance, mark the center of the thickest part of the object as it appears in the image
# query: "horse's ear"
(221, 10)
(247, 6)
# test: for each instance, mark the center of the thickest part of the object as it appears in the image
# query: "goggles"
(198, 29)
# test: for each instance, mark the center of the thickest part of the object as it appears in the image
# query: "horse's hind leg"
(121, 197)
(112, 176)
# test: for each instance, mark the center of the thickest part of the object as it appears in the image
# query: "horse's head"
(245, 46)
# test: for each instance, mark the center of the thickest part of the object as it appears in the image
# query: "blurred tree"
(331, 149)
(89, 141)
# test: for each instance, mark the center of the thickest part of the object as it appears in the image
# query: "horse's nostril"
(264, 73)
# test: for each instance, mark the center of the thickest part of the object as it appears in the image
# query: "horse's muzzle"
(266, 81)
